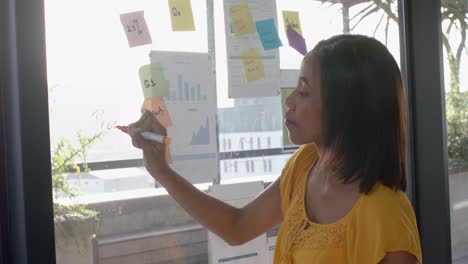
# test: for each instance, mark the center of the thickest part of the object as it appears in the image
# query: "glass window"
(454, 25)
(94, 85)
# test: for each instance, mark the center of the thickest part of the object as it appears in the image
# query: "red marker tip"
(123, 128)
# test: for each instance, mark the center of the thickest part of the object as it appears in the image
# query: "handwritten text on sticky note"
(152, 81)
(158, 107)
(135, 28)
(253, 65)
(181, 15)
(268, 34)
(241, 20)
(291, 18)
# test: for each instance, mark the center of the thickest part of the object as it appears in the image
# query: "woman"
(340, 198)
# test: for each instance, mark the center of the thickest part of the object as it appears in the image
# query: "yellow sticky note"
(291, 18)
(181, 15)
(241, 20)
(253, 64)
(159, 108)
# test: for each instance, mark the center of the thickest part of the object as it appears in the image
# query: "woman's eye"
(302, 94)
(300, 83)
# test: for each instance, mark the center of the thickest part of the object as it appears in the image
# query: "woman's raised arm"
(235, 225)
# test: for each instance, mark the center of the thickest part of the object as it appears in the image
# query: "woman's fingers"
(138, 124)
(142, 143)
(157, 127)
(151, 123)
(147, 122)
(153, 155)
(146, 145)
(143, 117)
(137, 140)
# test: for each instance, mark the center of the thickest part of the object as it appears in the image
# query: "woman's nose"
(289, 101)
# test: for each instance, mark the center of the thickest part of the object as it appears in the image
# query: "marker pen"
(145, 134)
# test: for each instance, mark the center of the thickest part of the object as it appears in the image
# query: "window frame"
(25, 137)
(420, 20)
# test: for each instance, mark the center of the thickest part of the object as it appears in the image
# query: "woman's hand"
(154, 153)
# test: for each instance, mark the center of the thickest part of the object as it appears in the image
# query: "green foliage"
(64, 159)
(457, 130)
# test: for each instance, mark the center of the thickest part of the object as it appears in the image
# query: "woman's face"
(304, 116)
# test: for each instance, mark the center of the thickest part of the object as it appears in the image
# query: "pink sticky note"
(159, 108)
(135, 28)
(296, 41)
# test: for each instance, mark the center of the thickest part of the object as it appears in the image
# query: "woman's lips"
(289, 123)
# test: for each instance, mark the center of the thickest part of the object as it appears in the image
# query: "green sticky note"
(291, 18)
(152, 81)
(241, 20)
(181, 15)
(285, 92)
(253, 65)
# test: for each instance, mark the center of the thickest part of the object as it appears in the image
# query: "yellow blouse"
(380, 222)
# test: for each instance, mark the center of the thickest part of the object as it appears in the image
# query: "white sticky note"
(135, 28)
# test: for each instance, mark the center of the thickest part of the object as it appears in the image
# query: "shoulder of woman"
(299, 163)
(385, 222)
(384, 203)
(305, 155)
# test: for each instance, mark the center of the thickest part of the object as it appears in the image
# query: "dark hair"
(364, 115)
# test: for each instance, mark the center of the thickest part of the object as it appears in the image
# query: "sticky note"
(291, 18)
(135, 28)
(253, 64)
(241, 20)
(181, 15)
(296, 41)
(159, 108)
(268, 34)
(152, 81)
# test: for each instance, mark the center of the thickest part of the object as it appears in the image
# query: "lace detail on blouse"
(302, 234)
(322, 237)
